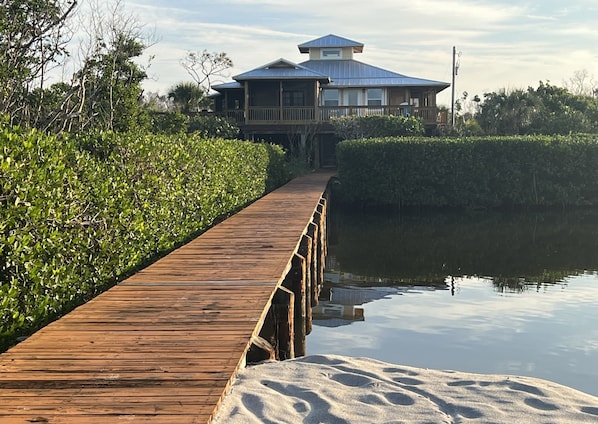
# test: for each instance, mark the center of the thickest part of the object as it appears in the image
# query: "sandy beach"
(338, 389)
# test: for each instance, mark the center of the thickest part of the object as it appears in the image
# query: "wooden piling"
(283, 310)
(306, 250)
(314, 231)
(322, 208)
(320, 220)
(295, 281)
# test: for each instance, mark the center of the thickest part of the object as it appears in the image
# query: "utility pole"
(454, 72)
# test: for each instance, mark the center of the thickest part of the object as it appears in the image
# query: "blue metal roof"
(331, 40)
(227, 86)
(282, 69)
(335, 73)
(352, 73)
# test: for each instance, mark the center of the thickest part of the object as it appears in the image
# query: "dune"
(338, 389)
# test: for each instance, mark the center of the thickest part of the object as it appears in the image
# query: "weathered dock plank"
(164, 345)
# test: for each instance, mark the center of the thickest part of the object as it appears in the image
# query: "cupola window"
(331, 54)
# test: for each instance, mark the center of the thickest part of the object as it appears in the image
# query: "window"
(374, 97)
(330, 54)
(351, 97)
(330, 98)
(293, 98)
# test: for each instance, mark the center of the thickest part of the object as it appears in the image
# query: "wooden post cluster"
(289, 320)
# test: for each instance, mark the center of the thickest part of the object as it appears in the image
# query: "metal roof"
(352, 73)
(282, 69)
(331, 40)
(335, 73)
(227, 86)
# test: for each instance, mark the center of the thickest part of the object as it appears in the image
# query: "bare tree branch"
(204, 66)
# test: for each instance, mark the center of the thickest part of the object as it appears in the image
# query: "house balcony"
(257, 115)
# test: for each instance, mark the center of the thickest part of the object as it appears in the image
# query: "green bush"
(79, 213)
(472, 171)
(375, 126)
(213, 126)
(169, 122)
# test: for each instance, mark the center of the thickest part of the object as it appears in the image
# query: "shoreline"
(341, 389)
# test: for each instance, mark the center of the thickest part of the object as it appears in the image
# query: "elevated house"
(284, 101)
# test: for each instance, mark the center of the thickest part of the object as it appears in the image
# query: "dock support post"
(320, 220)
(283, 311)
(295, 281)
(306, 250)
(313, 232)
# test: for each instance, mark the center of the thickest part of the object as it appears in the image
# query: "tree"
(546, 110)
(188, 97)
(565, 112)
(106, 91)
(156, 102)
(205, 66)
(33, 38)
(509, 113)
(582, 84)
(466, 109)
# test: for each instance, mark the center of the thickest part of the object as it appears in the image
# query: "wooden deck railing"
(289, 115)
(277, 114)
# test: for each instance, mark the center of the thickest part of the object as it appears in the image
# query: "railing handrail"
(287, 114)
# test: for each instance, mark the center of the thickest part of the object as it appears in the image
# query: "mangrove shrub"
(472, 171)
(79, 213)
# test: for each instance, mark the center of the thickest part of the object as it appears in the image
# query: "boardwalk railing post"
(295, 281)
(306, 250)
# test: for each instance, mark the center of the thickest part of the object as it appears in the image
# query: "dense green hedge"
(79, 213)
(372, 126)
(207, 126)
(474, 171)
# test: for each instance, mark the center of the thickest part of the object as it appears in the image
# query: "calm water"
(482, 292)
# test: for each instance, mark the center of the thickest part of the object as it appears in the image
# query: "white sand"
(337, 389)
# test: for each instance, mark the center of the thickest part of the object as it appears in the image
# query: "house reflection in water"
(341, 297)
(343, 294)
(338, 309)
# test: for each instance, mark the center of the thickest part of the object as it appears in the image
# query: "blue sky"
(503, 44)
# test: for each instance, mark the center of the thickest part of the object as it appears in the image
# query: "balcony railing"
(277, 114)
(293, 115)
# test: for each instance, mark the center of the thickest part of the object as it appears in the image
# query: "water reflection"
(518, 250)
(512, 293)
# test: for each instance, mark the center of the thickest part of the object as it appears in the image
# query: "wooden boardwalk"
(164, 345)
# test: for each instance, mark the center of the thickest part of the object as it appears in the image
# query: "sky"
(500, 44)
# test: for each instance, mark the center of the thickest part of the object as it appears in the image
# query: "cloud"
(503, 44)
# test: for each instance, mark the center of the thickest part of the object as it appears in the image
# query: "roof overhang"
(282, 69)
(331, 41)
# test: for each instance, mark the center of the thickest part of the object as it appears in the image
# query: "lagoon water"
(484, 292)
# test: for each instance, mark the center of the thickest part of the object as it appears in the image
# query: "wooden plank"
(198, 417)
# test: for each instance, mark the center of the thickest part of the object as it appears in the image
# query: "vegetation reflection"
(517, 251)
